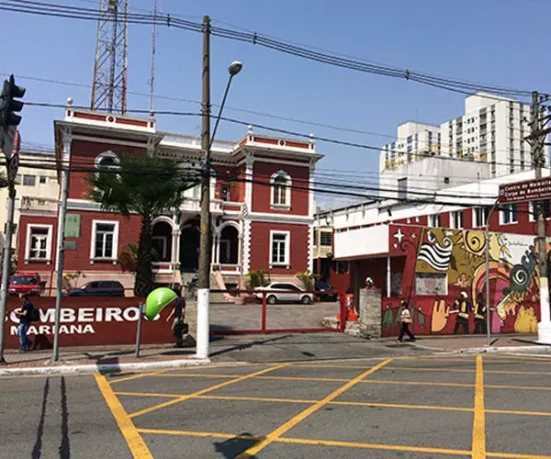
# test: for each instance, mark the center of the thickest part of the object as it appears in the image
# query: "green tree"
(143, 185)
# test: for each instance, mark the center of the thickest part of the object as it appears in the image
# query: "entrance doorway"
(189, 246)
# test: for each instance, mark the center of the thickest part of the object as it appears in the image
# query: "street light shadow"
(233, 447)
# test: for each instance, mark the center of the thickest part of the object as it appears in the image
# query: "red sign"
(88, 322)
(529, 190)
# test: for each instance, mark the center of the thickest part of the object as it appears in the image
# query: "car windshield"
(23, 280)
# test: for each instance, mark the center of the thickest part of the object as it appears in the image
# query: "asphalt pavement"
(418, 407)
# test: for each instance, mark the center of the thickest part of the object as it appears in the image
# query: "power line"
(278, 130)
(65, 11)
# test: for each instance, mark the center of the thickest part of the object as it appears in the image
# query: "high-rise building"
(487, 141)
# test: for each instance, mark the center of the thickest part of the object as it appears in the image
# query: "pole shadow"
(233, 447)
(37, 448)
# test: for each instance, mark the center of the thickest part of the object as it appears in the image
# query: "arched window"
(281, 190)
(107, 159)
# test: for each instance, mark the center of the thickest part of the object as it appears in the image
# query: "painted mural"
(444, 282)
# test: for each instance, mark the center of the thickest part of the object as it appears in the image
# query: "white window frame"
(115, 257)
(289, 183)
(287, 261)
(508, 209)
(48, 258)
(165, 244)
(106, 154)
(434, 218)
(453, 215)
(485, 214)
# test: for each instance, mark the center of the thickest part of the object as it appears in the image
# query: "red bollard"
(264, 312)
(344, 312)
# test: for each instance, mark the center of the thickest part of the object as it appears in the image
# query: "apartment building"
(36, 186)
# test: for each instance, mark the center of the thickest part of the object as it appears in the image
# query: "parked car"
(290, 293)
(98, 288)
(25, 283)
(325, 291)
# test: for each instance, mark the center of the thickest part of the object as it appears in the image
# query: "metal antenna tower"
(110, 67)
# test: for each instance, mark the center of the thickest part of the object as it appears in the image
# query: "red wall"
(129, 231)
(101, 321)
(260, 247)
(224, 175)
(83, 155)
(262, 172)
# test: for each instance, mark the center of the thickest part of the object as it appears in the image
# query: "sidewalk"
(99, 359)
(479, 343)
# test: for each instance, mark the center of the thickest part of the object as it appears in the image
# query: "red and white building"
(261, 220)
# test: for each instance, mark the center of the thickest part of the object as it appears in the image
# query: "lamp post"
(203, 325)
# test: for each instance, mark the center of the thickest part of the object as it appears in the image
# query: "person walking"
(25, 319)
(178, 324)
(405, 320)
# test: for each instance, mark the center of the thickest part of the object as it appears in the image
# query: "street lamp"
(203, 292)
(234, 68)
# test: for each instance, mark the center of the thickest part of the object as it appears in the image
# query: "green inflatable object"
(157, 300)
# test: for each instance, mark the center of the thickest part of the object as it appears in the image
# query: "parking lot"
(412, 407)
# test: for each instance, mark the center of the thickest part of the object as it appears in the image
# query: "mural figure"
(463, 308)
(480, 315)
(444, 276)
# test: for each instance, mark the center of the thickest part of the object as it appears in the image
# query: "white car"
(290, 293)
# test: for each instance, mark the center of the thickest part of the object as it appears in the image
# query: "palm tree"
(143, 185)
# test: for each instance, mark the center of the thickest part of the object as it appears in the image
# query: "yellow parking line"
(138, 376)
(479, 423)
(204, 391)
(354, 367)
(285, 378)
(199, 375)
(522, 413)
(393, 405)
(507, 372)
(346, 444)
(416, 383)
(255, 399)
(277, 433)
(501, 386)
(149, 394)
(516, 456)
(446, 370)
(187, 433)
(135, 442)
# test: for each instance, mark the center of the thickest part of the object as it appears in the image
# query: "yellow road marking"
(516, 456)
(346, 444)
(393, 405)
(507, 372)
(308, 411)
(415, 383)
(135, 442)
(354, 367)
(479, 424)
(501, 386)
(255, 399)
(522, 413)
(446, 370)
(149, 394)
(186, 433)
(198, 375)
(204, 391)
(138, 376)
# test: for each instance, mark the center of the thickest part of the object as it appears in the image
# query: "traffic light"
(9, 106)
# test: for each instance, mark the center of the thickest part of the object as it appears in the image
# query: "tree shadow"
(243, 346)
(233, 447)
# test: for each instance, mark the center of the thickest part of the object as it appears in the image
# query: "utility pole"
(60, 252)
(203, 326)
(10, 142)
(537, 150)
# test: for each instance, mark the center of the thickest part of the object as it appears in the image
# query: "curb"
(538, 349)
(103, 368)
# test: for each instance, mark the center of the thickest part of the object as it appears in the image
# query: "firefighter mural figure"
(462, 307)
(479, 314)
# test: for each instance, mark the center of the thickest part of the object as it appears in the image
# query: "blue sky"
(500, 42)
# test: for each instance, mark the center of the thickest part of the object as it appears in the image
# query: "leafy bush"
(257, 278)
(307, 279)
